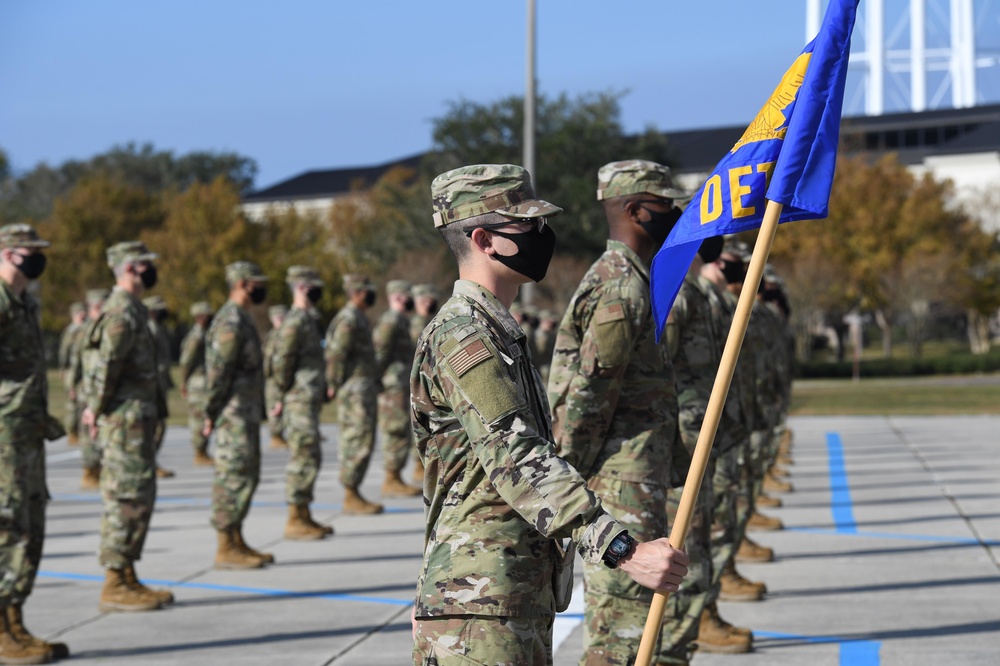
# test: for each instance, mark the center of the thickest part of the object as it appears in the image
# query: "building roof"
(913, 136)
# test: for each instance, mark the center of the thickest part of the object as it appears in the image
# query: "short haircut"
(458, 242)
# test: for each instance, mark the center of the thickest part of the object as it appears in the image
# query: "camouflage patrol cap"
(202, 309)
(128, 252)
(77, 308)
(244, 270)
(619, 179)
(485, 188)
(398, 287)
(306, 274)
(277, 311)
(357, 282)
(738, 249)
(97, 296)
(20, 235)
(154, 303)
(422, 290)
(771, 276)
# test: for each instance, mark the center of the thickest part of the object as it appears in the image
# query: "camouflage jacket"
(350, 355)
(498, 493)
(296, 360)
(119, 358)
(393, 350)
(163, 354)
(193, 354)
(234, 376)
(695, 335)
(69, 354)
(418, 323)
(612, 389)
(23, 384)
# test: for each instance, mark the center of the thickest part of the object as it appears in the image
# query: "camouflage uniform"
(164, 351)
(234, 383)
(394, 358)
(351, 370)
(90, 451)
(123, 391)
(498, 497)
(68, 341)
(192, 364)
(298, 368)
(23, 414)
(271, 391)
(419, 321)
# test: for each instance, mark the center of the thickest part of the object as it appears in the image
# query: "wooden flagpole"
(713, 413)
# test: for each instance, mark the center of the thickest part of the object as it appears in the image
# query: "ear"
(631, 209)
(482, 241)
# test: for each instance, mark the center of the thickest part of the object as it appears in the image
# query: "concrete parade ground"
(890, 555)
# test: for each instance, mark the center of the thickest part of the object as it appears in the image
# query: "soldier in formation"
(192, 365)
(298, 374)
(90, 451)
(157, 308)
(67, 342)
(353, 381)
(499, 498)
(275, 315)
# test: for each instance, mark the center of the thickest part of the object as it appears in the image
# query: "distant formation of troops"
(513, 466)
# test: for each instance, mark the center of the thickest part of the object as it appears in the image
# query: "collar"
(640, 266)
(485, 298)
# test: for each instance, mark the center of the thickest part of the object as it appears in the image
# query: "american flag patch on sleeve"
(613, 312)
(469, 357)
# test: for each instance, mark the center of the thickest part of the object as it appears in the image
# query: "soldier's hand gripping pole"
(712, 415)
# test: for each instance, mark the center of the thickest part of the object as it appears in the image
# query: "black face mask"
(733, 271)
(160, 316)
(408, 305)
(433, 307)
(534, 252)
(32, 265)
(369, 298)
(149, 277)
(660, 224)
(258, 294)
(711, 248)
(314, 294)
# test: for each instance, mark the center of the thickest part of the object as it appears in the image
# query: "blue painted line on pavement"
(843, 512)
(859, 653)
(196, 501)
(263, 591)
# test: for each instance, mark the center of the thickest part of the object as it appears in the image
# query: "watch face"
(619, 547)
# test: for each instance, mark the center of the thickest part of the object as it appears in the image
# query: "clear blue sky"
(305, 84)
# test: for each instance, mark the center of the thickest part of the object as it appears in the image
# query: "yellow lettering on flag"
(711, 200)
(737, 191)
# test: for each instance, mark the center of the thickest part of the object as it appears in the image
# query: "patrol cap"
(486, 188)
(277, 311)
(422, 290)
(398, 287)
(244, 270)
(738, 249)
(96, 296)
(357, 282)
(77, 308)
(202, 309)
(771, 276)
(128, 252)
(619, 179)
(154, 303)
(20, 235)
(306, 274)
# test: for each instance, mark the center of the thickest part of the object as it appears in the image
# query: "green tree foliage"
(575, 138)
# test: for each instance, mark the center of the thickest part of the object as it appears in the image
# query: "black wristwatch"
(619, 547)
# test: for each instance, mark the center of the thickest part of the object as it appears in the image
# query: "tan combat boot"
(163, 596)
(266, 558)
(15, 619)
(118, 595)
(231, 556)
(779, 473)
(754, 552)
(735, 587)
(202, 459)
(764, 523)
(356, 504)
(277, 442)
(768, 501)
(327, 529)
(717, 636)
(773, 485)
(91, 478)
(418, 471)
(394, 486)
(164, 473)
(13, 651)
(73, 439)
(299, 527)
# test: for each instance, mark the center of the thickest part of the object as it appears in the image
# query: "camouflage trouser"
(615, 605)
(274, 423)
(356, 415)
(237, 466)
(760, 441)
(74, 408)
(22, 507)
(196, 400)
(470, 640)
(90, 449)
(128, 482)
(158, 434)
(300, 423)
(394, 422)
(687, 603)
(731, 501)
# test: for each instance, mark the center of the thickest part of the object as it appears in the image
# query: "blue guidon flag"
(786, 155)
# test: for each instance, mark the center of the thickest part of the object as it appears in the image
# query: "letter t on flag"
(787, 155)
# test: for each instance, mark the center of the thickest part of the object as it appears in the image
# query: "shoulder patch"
(469, 357)
(610, 313)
